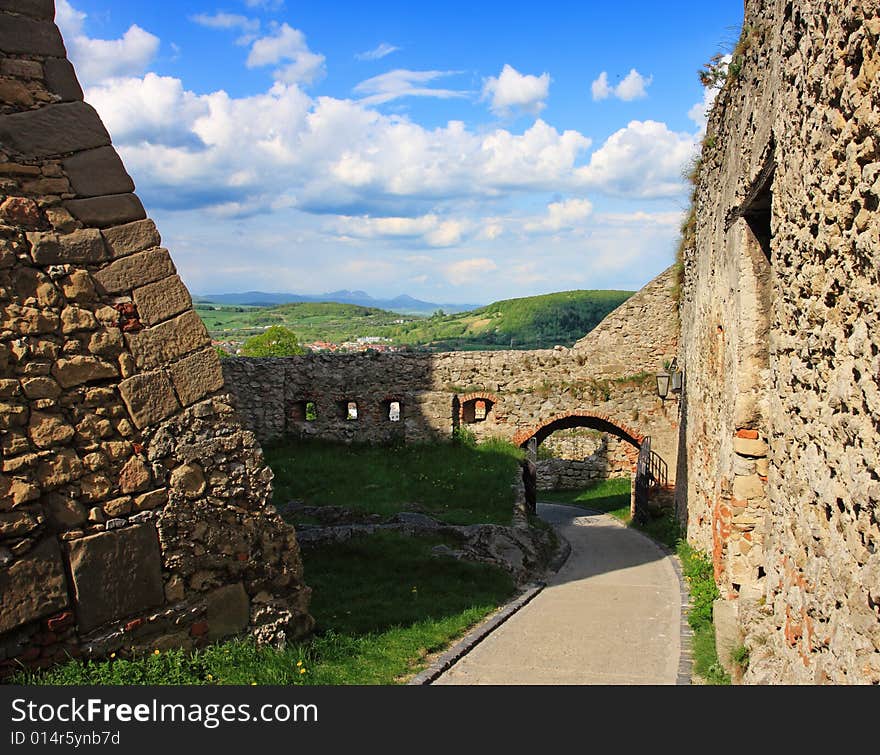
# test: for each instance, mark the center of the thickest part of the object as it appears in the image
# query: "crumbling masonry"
(134, 508)
(779, 473)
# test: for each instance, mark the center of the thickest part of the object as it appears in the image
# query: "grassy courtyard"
(383, 603)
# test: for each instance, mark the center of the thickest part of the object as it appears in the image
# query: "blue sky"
(456, 151)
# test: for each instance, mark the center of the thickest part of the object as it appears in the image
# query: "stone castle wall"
(780, 343)
(605, 381)
(583, 457)
(134, 507)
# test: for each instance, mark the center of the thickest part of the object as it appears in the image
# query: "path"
(611, 615)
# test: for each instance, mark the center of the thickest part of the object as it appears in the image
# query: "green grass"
(456, 483)
(382, 604)
(609, 496)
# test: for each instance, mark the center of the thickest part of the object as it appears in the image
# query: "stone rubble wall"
(779, 476)
(582, 458)
(134, 507)
(607, 379)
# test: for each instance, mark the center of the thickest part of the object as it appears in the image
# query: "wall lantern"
(669, 379)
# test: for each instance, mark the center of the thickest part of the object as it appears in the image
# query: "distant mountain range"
(403, 304)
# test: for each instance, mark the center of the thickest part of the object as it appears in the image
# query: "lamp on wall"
(670, 378)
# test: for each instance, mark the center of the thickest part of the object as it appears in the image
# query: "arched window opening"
(476, 410)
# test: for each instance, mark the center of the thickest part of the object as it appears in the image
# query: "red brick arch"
(568, 420)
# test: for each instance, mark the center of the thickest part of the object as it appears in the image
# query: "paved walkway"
(611, 615)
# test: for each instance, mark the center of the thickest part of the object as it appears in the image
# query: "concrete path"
(611, 615)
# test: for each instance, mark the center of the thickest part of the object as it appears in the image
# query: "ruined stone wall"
(780, 343)
(134, 508)
(607, 378)
(583, 457)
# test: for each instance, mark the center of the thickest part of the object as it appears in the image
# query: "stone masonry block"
(33, 586)
(36, 37)
(53, 130)
(96, 172)
(116, 574)
(134, 237)
(229, 611)
(85, 245)
(748, 447)
(113, 209)
(149, 398)
(168, 341)
(61, 79)
(136, 270)
(196, 376)
(161, 300)
(43, 9)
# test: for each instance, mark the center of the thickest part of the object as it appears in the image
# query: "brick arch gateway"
(571, 420)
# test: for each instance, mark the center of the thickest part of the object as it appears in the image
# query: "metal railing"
(652, 475)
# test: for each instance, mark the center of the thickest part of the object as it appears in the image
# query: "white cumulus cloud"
(99, 59)
(645, 159)
(634, 86)
(512, 90)
(287, 46)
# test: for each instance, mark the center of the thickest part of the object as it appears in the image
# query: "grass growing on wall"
(382, 604)
(458, 483)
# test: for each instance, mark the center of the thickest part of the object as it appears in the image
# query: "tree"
(276, 341)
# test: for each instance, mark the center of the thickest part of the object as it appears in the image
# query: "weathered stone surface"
(136, 270)
(47, 430)
(228, 612)
(116, 574)
(21, 69)
(53, 130)
(15, 93)
(134, 476)
(96, 172)
(64, 513)
(79, 287)
(131, 237)
(748, 447)
(82, 369)
(100, 212)
(152, 500)
(149, 397)
(84, 245)
(167, 341)
(158, 301)
(37, 37)
(63, 467)
(32, 587)
(748, 487)
(42, 9)
(76, 318)
(40, 387)
(118, 507)
(61, 79)
(18, 523)
(188, 479)
(20, 211)
(196, 376)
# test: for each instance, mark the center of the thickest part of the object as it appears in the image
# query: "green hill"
(527, 323)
